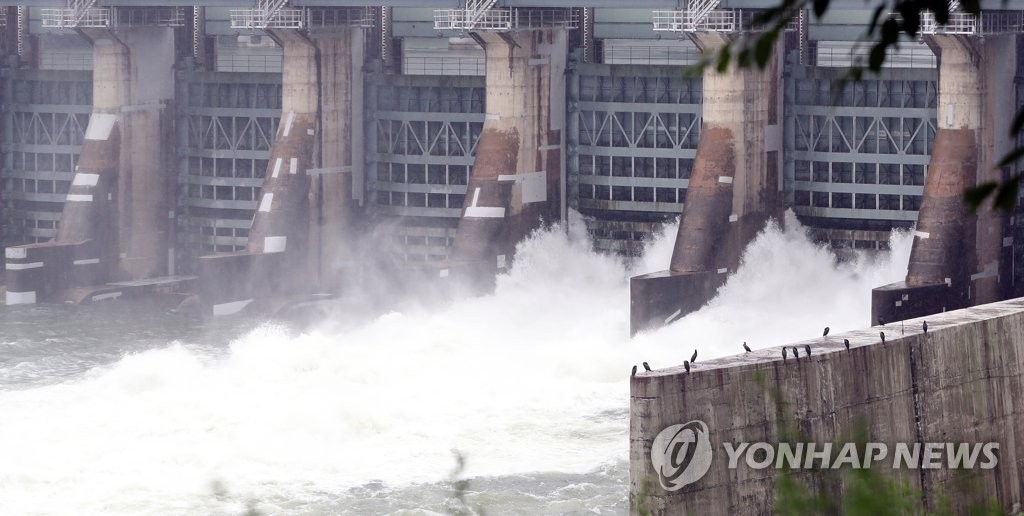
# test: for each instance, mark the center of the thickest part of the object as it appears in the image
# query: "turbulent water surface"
(129, 408)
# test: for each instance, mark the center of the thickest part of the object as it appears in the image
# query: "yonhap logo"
(681, 454)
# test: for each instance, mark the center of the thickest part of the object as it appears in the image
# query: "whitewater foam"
(530, 379)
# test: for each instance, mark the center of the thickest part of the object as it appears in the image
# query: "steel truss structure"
(425, 130)
(47, 113)
(632, 141)
(861, 164)
(228, 123)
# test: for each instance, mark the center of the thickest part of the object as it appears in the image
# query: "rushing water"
(130, 408)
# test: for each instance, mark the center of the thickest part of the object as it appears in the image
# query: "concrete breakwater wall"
(959, 383)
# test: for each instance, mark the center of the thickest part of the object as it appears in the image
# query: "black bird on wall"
(924, 326)
(846, 342)
(807, 348)
(647, 367)
(693, 357)
(686, 365)
(825, 333)
(882, 335)
(634, 371)
(746, 347)
(783, 355)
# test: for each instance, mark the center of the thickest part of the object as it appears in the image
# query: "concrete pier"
(515, 184)
(306, 202)
(960, 259)
(117, 222)
(734, 190)
(954, 384)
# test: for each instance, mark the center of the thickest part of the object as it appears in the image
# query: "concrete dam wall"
(957, 383)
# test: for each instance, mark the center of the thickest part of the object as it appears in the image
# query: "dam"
(254, 254)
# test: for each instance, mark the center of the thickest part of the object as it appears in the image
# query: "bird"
(825, 333)
(882, 335)
(647, 367)
(924, 325)
(693, 357)
(807, 348)
(686, 365)
(634, 371)
(746, 347)
(783, 354)
(796, 354)
(846, 342)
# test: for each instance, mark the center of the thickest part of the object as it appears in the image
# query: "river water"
(129, 408)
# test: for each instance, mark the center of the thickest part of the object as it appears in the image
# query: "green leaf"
(820, 6)
(763, 48)
(877, 15)
(971, 6)
(976, 195)
(1011, 157)
(1006, 197)
(877, 57)
(1018, 122)
(723, 58)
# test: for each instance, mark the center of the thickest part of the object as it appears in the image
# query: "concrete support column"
(957, 258)
(117, 221)
(337, 188)
(305, 208)
(735, 187)
(516, 182)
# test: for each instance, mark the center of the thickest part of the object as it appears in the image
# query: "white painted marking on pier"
(443, 273)
(86, 261)
(734, 218)
(277, 168)
(293, 166)
(723, 270)
(724, 179)
(502, 262)
(922, 234)
(16, 252)
(483, 212)
(555, 146)
(899, 303)
(492, 116)
(673, 316)
(310, 132)
(23, 266)
(230, 308)
(949, 115)
(538, 61)
(288, 125)
(108, 295)
(265, 202)
(100, 125)
(275, 244)
(84, 179)
(20, 298)
(991, 270)
(1008, 241)
(79, 198)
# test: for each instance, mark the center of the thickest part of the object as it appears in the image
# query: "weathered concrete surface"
(117, 220)
(735, 188)
(952, 247)
(515, 185)
(957, 383)
(301, 224)
(336, 194)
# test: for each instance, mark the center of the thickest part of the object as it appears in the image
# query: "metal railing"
(503, 19)
(249, 63)
(648, 55)
(902, 58)
(267, 14)
(65, 61)
(721, 20)
(151, 16)
(444, 66)
(99, 17)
